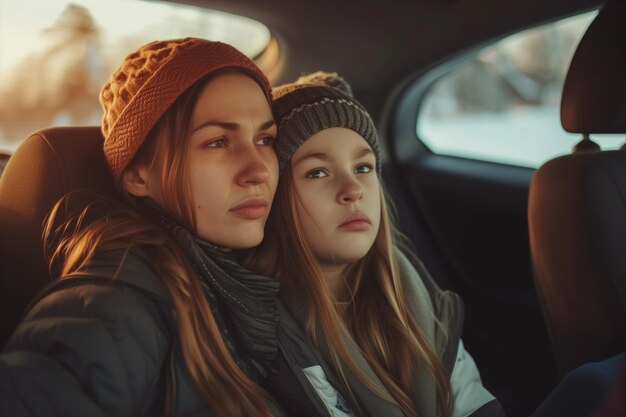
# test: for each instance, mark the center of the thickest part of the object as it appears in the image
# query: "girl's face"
(339, 202)
(233, 170)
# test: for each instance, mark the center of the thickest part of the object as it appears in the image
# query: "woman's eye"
(316, 173)
(266, 141)
(216, 143)
(363, 169)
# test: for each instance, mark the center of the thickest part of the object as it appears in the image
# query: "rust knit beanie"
(313, 103)
(150, 80)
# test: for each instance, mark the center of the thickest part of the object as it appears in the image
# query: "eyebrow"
(324, 157)
(363, 152)
(311, 155)
(230, 125)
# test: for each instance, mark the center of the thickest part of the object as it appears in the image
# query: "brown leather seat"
(577, 206)
(45, 167)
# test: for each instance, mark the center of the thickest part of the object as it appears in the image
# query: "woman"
(388, 338)
(151, 315)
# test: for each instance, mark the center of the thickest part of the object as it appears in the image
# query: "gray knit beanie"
(313, 103)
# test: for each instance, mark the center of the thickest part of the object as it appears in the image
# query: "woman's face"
(232, 165)
(339, 202)
(233, 170)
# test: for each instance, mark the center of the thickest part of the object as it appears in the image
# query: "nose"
(255, 169)
(351, 191)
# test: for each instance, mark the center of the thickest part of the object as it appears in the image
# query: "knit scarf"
(243, 303)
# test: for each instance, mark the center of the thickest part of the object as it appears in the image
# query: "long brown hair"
(381, 326)
(108, 224)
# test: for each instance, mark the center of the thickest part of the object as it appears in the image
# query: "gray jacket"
(428, 305)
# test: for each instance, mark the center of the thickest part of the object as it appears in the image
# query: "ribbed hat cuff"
(306, 120)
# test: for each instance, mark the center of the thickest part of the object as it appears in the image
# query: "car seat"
(49, 164)
(577, 205)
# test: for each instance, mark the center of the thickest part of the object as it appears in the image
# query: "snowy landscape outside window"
(504, 105)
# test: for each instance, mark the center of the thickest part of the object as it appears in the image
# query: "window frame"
(405, 106)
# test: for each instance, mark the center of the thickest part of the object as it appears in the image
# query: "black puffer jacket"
(93, 346)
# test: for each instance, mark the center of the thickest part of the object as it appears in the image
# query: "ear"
(135, 181)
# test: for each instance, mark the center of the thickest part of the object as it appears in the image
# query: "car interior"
(535, 253)
(576, 206)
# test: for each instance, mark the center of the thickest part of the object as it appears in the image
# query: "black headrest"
(594, 94)
(49, 164)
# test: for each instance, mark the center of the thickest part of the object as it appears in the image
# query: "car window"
(55, 55)
(503, 105)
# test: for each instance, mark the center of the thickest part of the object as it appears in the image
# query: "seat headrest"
(48, 165)
(594, 93)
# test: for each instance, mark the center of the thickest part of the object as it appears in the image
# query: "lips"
(356, 222)
(251, 208)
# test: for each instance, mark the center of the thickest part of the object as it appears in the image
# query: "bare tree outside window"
(55, 55)
(57, 83)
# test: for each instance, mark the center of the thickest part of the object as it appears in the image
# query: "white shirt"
(335, 403)
(468, 393)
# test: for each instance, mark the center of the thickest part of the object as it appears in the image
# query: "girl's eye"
(363, 169)
(316, 173)
(217, 143)
(266, 141)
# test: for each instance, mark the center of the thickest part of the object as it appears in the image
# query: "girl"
(151, 315)
(387, 337)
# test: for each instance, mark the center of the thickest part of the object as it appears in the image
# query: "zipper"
(172, 379)
(454, 335)
(282, 349)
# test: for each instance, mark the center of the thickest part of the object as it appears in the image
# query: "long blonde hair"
(381, 326)
(106, 224)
